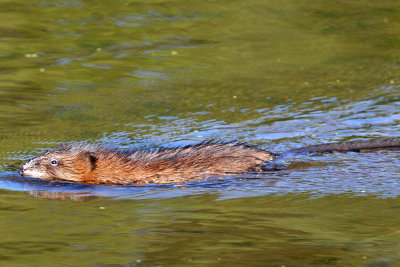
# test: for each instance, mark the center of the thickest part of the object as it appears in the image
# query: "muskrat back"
(94, 164)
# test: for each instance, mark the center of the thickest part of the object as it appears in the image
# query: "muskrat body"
(92, 164)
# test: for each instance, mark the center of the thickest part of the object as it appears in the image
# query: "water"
(280, 75)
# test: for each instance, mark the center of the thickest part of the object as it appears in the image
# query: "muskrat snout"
(27, 167)
(22, 169)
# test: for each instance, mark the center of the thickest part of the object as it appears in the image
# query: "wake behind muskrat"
(93, 164)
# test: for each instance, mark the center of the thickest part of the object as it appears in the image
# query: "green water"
(279, 74)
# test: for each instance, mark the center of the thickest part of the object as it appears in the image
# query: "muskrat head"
(65, 163)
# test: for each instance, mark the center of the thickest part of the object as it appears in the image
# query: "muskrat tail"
(355, 146)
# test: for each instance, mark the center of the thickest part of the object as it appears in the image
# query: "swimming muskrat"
(93, 164)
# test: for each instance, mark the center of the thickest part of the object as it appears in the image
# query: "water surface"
(164, 73)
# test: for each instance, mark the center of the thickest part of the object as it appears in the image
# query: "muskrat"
(93, 164)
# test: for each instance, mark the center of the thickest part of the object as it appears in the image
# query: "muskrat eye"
(54, 162)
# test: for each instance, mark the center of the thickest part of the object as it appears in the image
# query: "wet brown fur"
(91, 164)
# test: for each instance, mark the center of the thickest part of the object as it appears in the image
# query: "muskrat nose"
(22, 169)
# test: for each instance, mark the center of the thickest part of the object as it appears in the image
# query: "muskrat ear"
(90, 158)
(93, 160)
